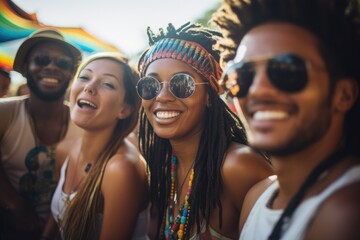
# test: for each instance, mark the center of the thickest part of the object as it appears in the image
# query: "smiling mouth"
(49, 80)
(85, 103)
(166, 114)
(269, 115)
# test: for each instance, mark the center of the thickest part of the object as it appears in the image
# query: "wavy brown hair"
(82, 216)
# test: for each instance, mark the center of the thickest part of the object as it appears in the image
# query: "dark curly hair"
(336, 24)
(221, 127)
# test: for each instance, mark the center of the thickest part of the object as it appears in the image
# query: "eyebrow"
(105, 74)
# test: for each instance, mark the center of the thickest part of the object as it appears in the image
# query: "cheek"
(74, 92)
(146, 105)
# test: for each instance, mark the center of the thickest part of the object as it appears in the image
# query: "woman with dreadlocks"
(103, 189)
(195, 147)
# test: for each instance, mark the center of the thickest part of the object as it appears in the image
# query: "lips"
(50, 81)
(83, 103)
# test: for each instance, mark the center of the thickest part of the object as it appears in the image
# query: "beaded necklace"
(176, 228)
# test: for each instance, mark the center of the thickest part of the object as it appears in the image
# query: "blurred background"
(94, 26)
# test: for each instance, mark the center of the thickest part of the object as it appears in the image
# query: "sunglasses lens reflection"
(148, 88)
(286, 72)
(181, 86)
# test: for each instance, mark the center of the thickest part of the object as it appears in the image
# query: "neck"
(41, 109)
(185, 151)
(49, 121)
(292, 170)
(94, 143)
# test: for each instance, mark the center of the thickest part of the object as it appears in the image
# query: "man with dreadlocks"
(296, 76)
(195, 147)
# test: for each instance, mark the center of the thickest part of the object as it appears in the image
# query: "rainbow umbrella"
(16, 24)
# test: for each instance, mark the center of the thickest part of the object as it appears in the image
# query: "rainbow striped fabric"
(16, 24)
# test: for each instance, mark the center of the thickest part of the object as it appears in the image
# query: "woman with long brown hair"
(103, 190)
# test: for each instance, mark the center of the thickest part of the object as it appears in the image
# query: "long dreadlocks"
(222, 127)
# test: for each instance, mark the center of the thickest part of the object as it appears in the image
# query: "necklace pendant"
(175, 197)
(67, 201)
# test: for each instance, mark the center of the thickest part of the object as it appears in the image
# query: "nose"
(261, 84)
(165, 94)
(90, 88)
(51, 64)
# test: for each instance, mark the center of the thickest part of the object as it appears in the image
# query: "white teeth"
(83, 102)
(167, 114)
(51, 80)
(270, 115)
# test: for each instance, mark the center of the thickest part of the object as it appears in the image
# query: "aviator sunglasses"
(62, 62)
(181, 85)
(287, 72)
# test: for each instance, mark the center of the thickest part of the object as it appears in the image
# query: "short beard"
(304, 138)
(46, 97)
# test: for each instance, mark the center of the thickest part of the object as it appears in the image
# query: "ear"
(125, 111)
(345, 94)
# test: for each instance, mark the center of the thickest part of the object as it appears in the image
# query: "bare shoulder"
(242, 163)
(243, 168)
(339, 215)
(9, 108)
(252, 196)
(127, 163)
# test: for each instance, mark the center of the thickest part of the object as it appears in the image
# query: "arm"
(124, 189)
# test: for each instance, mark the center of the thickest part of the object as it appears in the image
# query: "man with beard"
(35, 133)
(295, 73)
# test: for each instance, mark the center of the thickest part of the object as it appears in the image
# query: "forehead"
(272, 38)
(169, 67)
(105, 66)
(51, 48)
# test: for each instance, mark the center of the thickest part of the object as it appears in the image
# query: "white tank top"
(58, 208)
(261, 219)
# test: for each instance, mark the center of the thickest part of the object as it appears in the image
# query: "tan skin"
(311, 113)
(241, 169)
(48, 120)
(124, 185)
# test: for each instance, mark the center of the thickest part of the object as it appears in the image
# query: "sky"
(118, 22)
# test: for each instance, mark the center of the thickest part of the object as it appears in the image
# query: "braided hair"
(336, 24)
(221, 127)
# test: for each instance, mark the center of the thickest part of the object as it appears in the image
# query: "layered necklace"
(176, 227)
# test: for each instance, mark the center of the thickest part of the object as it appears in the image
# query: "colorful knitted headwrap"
(189, 52)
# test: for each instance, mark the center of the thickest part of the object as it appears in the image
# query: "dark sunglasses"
(62, 62)
(287, 72)
(181, 85)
